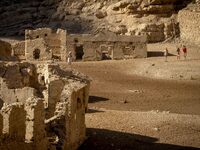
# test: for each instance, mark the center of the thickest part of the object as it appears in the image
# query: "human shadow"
(103, 139)
(157, 54)
(94, 99)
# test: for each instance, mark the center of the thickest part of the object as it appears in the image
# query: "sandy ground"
(144, 103)
(113, 88)
(128, 130)
(130, 110)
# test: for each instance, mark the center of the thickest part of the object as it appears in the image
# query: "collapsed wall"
(42, 107)
(189, 20)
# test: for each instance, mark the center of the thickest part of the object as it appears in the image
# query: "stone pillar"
(26, 43)
(76, 122)
(63, 51)
(35, 124)
(54, 91)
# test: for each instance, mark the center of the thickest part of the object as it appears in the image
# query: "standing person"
(69, 58)
(184, 51)
(178, 53)
(166, 54)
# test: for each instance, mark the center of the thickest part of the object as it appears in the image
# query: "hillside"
(156, 18)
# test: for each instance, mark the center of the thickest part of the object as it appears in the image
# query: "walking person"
(178, 53)
(166, 54)
(184, 49)
(69, 58)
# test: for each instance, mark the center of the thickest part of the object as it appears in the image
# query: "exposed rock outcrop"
(85, 16)
(189, 20)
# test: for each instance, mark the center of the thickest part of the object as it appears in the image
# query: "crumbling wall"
(76, 40)
(51, 116)
(189, 20)
(35, 124)
(74, 97)
(116, 46)
(23, 126)
(37, 49)
(18, 82)
(19, 50)
(55, 43)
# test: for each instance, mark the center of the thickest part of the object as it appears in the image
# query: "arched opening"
(106, 52)
(36, 54)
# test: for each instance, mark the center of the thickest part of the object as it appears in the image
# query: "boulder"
(101, 14)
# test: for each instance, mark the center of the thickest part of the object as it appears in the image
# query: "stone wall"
(23, 126)
(19, 50)
(107, 45)
(189, 20)
(51, 44)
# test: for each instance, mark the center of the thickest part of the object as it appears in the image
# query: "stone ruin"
(42, 106)
(106, 45)
(47, 44)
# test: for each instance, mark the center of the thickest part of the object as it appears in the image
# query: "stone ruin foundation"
(42, 107)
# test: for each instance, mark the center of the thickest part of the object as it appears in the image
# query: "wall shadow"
(182, 4)
(102, 139)
(1, 103)
(93, 110)
(94, 99)
(157, 54)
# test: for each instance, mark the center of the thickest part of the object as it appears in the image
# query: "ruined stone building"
(47, 44)
(106, 46)
(42, 107)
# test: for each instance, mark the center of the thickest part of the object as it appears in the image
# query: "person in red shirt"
(184, 49)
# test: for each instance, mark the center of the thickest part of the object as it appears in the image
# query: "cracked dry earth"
(129, 112)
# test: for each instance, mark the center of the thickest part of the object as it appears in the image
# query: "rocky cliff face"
(155, 18)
